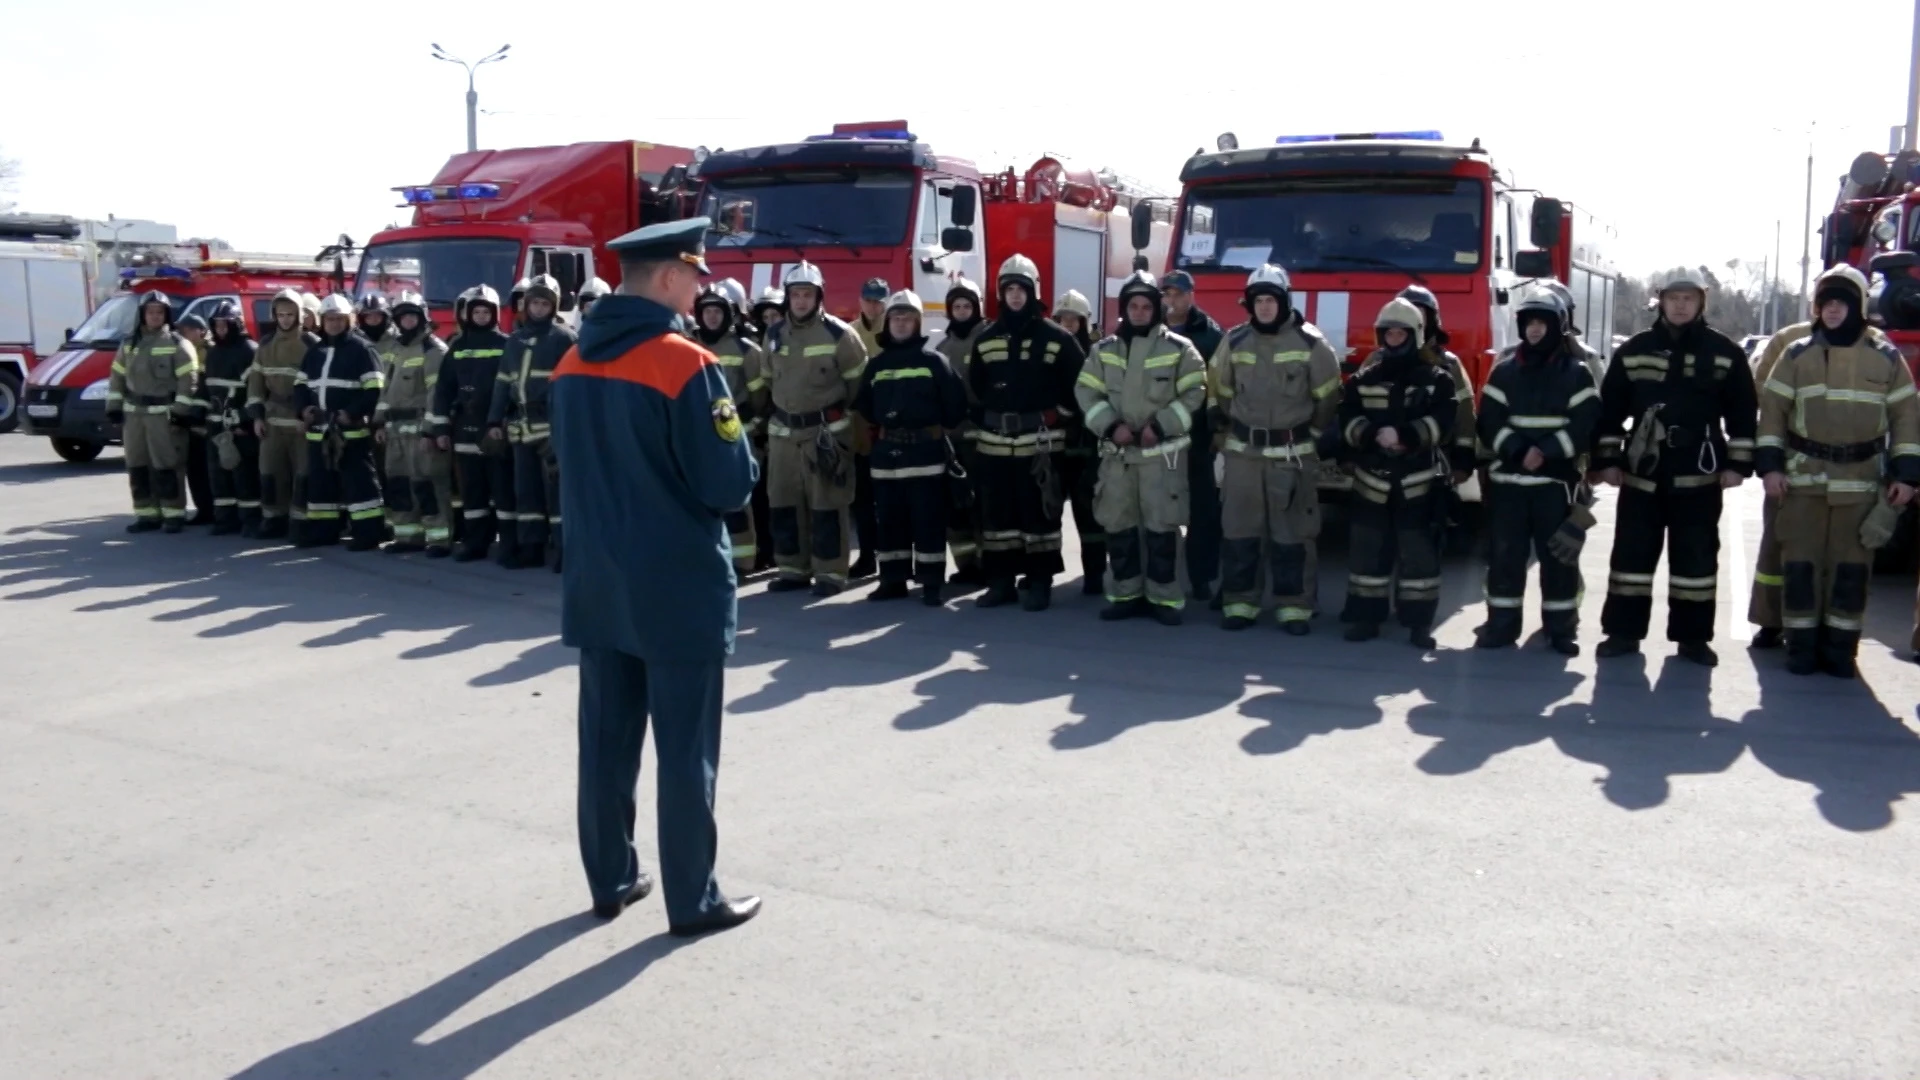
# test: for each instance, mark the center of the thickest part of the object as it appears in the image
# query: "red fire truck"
(1875, 228)
(492, 217)
(1355, 218)
(872, 200)
(45, 291)
(65, 399)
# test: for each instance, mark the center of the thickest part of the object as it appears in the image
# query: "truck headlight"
(95, 391)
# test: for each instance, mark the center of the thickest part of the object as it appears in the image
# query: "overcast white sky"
(279, 126)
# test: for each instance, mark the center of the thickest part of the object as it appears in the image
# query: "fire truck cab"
(1355, 218)
(492, 217)
(871, 200)
(1875, 228)
(65, 398)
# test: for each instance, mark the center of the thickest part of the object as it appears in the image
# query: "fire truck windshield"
(809, 208)
(438, 269)
(1421, 225)
(112, 321)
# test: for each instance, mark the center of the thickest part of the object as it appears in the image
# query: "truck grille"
(46, 395)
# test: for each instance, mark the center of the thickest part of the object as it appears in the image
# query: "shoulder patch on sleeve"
(726, 419)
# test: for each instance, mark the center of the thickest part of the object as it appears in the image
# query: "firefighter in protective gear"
(765, 313)
(199, 474)
(1463, 456)
(914, 401)
(1140, 400)
(1687, 392)
(458, 423)
(1080, 463)
(768, 310)
(590, 294)
(871, 326)
(373, 315)
(310, 313)
(1537, 416)
(337, 393)
(717, 327)
(1595, 362)
(1203, 492)
(1396, 428)
(1274, 382)
(1020, 380)
(519, 414)
(1837, 402)
(965, 318)
(814, 362)
(1763, 604)
(233, 463)
(517, 299)
(419, 476)
(154, 394)
(276, 419)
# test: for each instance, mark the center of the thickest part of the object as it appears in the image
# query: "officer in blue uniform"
(652, 459)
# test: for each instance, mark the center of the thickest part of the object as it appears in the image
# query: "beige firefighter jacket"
(1156, 378)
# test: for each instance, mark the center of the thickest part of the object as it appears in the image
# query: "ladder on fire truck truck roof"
(193, 257)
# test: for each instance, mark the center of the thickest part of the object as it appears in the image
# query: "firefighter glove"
(228, 450)
(1877, 530)
(1643, 450)
(1571, 536)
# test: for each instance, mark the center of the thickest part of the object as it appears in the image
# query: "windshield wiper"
(1369, 260)
(831, 234)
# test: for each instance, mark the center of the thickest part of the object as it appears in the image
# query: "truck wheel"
(78, 451)
(9, 402)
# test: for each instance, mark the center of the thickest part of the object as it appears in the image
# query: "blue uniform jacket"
(651, 457)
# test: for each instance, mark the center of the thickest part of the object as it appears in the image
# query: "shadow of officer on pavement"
(1646, 735)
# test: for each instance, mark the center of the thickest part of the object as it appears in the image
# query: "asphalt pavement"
(270, 813)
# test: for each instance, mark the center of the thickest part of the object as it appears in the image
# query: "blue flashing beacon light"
(1402, 136)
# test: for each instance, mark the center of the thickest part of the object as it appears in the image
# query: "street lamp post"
(473, 98)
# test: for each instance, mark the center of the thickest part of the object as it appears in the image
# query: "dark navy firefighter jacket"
(652, 456)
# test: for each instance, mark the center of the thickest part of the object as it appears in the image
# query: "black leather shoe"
(863, 567)
(1839, 667)
(1037, 596)
(273, 529)
(1295, 628)
(203, 517)
(363, 545)
(508, 558)
(968, 576)
(1617, 646)
(1483, 640)
(1768, 637)
(1361, 631)
(634, 895)
(788, 584)
(438, 552)
(1167, 616)
(889, 590)
(930, 595)
(1124, 609)
(141, 525)
(1200, 594)
(224, 528)
(173, 525)
(1235, 622)
(1091, 585)
(823, 589)
(1700, 653)
(469, 554)
(1802, 663)
(725, 916)
(1422, 638)
(1565, 646)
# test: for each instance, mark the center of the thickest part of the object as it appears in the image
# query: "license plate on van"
(43, 412)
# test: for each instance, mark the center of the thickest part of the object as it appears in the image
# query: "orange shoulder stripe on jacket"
(664, 363)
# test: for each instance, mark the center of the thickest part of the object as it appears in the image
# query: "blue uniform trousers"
(618, 694)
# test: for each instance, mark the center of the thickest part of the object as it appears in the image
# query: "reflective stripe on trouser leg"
(1371, 537)
(1293, 521)
(1846, 605)
(1164, 511)
(360, 493)
(789, 554)
(402, 512)
(1640, 523)
(1693, 564)
(322, 491)
(1763, 604)
(1803, 528)
(140, 485)
(506, 506)
(893, 527)
(1118, 508)
(1244, 525)
(476, 503)
(1163, 562)
(1509, 541)
(1080, 475)
(432, 483)
(1125, 580)
(1240, 576)
(931, 509)
(1041, 510)
(170, 491)
(1560, 584)
(530, 494)
(224, 484)
(1417, 586)
(827, 531)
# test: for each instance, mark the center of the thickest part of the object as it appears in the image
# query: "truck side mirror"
(1836, 236)
(1533, 264)
(568, 299)
(956, 239)
(1544, 229)
(965, 203)
(1142, 226)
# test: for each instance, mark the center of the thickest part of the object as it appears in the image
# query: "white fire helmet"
(1270, 278)
(337, 304)
(1073, 304)
(906, 299)
(734, 292)
(593, 290)
(1022, 269)
(546, 283)
(805, 273)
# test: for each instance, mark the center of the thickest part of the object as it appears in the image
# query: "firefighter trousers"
(1763, 605)
(1826, 570)
(348, 490)
(1204, 511)
(1019, 497)
(235, 491)
(156, 453)
(1687, 521)
(200, 474)
(740, 533)
(809, 493)
(865, 522)
(963, 525)
(1143, 504)
(283, 474)
(536, 500)
(419, 489)
(1520, 520)
(911, 517)
(762, 557)
(1272, 505)
(1393, 549)
(1080, 475)
(480, 477)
